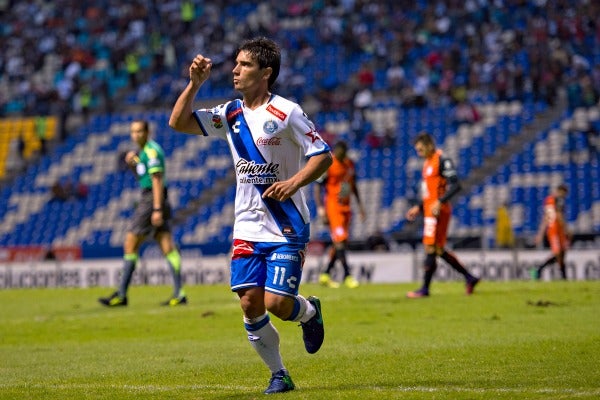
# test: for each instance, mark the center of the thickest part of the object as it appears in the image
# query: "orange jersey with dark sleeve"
(439, 182)
(339, 184)
(553, 213)
(555, 228)
(433, 185)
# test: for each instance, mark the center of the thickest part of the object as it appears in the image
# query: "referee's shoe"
(175, 301)
(114, 300)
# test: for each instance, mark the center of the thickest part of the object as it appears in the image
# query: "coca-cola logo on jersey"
(273, 141)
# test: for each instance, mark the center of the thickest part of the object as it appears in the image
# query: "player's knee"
(430, 249)
(251, 302)
(340, 245)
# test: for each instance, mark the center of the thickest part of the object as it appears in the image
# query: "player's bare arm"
(318, 197)
(436, 207)
(539, 237)
(157, 218)
(361, 209)
(182, 118)
(413, 213)
(314, 168)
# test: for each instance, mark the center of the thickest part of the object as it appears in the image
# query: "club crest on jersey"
(270, 127)
(217, 123)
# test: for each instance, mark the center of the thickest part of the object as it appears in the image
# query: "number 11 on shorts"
(279, 276)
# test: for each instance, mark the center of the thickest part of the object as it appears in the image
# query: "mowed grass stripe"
(169, 388)
(571, 393)
(523, 340)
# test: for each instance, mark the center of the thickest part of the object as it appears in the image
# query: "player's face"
(247, 75)
(137, 133)
(423, 150)
(339, 153)
(561, 193)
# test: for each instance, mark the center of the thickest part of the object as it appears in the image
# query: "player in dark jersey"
(439, 184)
(151, 217)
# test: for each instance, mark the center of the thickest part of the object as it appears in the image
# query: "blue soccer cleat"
(280, 382)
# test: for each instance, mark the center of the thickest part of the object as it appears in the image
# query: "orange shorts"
(435, 229)
(339, 223)
(557, 239)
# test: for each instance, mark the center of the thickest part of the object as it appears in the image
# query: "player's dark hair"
(342, 145)
(267, 54)
(424, 138)
(145, 124)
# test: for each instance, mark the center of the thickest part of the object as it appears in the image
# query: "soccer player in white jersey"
(276, 151)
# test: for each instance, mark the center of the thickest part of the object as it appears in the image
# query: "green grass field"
(511, 340)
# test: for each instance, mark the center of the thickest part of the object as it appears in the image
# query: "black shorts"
(141, 222)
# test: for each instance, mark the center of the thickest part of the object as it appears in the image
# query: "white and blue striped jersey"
(268, 144)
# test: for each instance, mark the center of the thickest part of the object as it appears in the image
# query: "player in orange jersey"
(333, 198)
(439, 184)
(554, 226)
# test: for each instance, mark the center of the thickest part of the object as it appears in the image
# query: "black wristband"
(157, 209)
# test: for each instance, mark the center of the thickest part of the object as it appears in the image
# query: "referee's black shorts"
(141, 222)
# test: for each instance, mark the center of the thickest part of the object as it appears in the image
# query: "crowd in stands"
(63, 190)
(64, 56)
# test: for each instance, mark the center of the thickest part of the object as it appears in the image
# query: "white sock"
(307, 310)
(265, 339)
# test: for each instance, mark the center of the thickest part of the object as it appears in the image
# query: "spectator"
(389, 138)
(41, 133)
(363, 100)
(373, 139)
(81, 190)
(465, 113)
(21, 146)
(533, 52)
(504, 233)
(365, 76)
(133, 68)
(68, 188)
(395, 78)
(58, 192)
